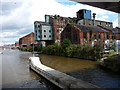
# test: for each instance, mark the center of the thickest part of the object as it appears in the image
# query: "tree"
(66, 43)
(55, 16)
(91, 34)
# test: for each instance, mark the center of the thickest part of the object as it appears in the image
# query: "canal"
(16, 72)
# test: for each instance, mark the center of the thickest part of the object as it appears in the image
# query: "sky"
(17, 16)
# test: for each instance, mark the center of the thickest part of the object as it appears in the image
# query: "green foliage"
(91, 31)
(85, 51)
(66, 43)
(114, 45)
(50, 50)
(70, 21)
(66, 21)
(55, 16)
(61, 18)
(71, 51)
(39, 48)
(28, 49)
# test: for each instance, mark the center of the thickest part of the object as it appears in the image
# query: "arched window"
(95, 36)
(107, 35)
(99, 36)
(84, 35)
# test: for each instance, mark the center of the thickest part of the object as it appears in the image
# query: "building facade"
(43, 32)
(81, 34)
(91, 22)
(50, 30)
(84, 14)
(26, 40)
(17, 44)
(84, 18)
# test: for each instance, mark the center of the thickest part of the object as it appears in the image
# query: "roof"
(116, 30)
(42, 23)
(88, 28)
(97, 20)
(26, 35)
(113, 30)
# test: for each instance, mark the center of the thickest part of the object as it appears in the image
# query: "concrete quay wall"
(60, 79)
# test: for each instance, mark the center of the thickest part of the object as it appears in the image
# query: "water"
(16, 72)
(83, 69)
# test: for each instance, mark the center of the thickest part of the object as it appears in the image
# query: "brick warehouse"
(57, 24)
(81, 34)
(83, 18)
(26, 40)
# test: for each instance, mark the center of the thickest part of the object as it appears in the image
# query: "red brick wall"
(16, 44)
(72, 33)
(117, 36)
(28, 39)
(56, 25)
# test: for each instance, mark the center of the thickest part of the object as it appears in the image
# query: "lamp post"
(33, 50)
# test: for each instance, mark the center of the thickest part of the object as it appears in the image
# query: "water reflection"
(65, 64)
(83, 69)
(16, 72)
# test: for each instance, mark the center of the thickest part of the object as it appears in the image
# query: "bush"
(58, 50)
(50, 49)
(39, 48)
(66, 43)
(71, 51)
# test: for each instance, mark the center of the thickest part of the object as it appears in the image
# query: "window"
(44, 30)
(107, 36)
(99, 36)
(85, 11)
(113, 36)
(57, 30)
(95, 36)
(44, 35)
(38, 25)
(49, 30)
(85, 35)
(49, 35)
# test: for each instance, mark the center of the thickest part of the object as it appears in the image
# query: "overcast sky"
(18, 16)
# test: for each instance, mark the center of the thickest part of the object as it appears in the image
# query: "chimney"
(94, 18)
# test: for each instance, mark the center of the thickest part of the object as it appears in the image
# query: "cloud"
(115, 23)
(18, 16)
